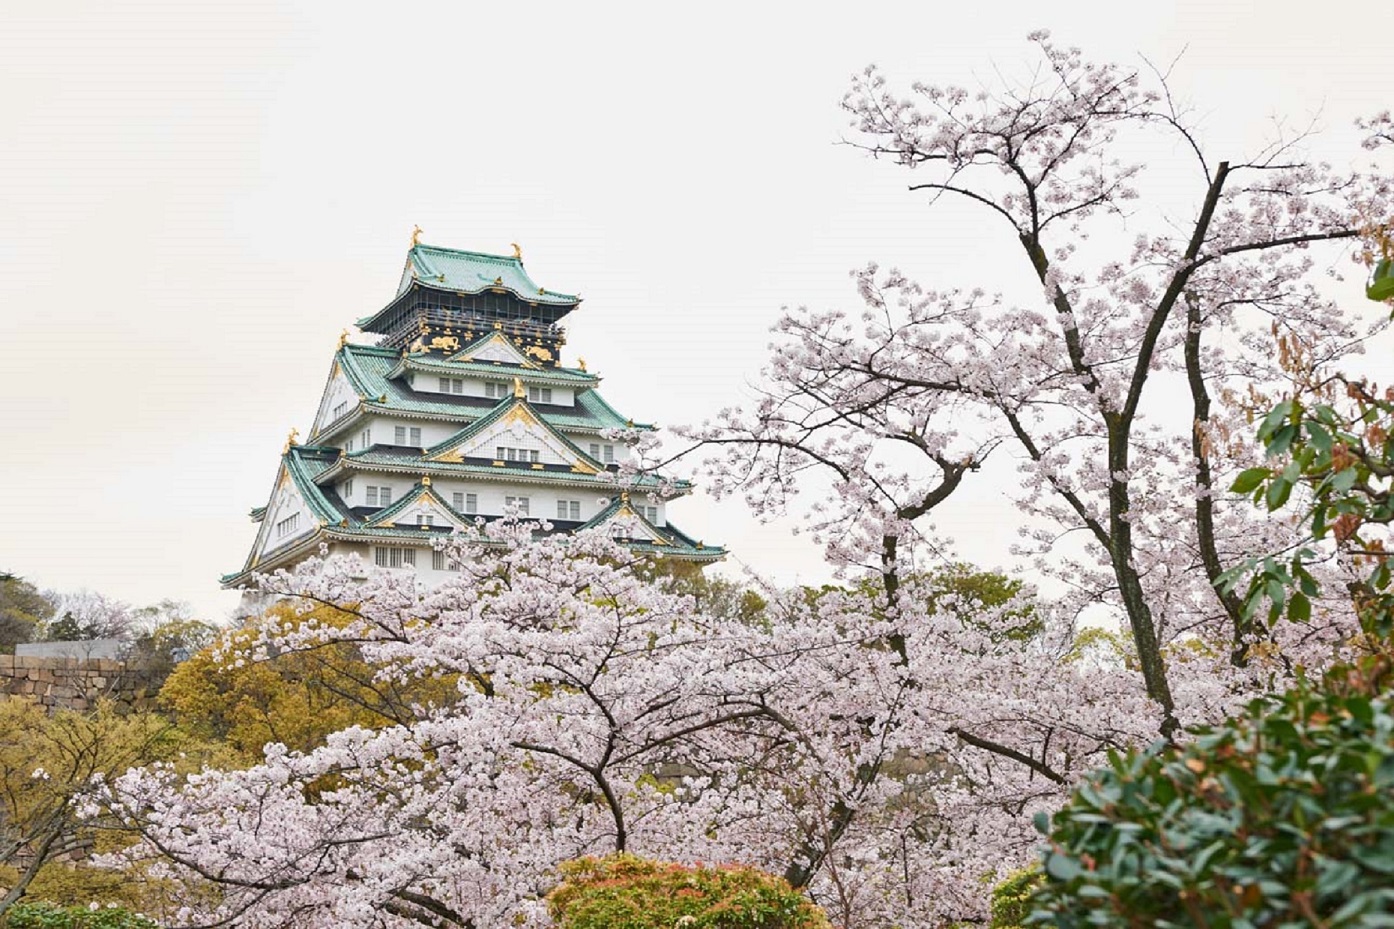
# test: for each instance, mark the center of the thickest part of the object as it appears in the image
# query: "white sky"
(196, 199)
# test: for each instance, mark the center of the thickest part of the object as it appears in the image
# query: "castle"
(461, 412)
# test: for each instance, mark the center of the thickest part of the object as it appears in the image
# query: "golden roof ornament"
(343, 338)
(517, 251)
(518, 390)
(582, 363)
(416, 236)
(291, 440)
(425, 480)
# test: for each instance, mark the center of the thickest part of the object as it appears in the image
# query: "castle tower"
(461, 412)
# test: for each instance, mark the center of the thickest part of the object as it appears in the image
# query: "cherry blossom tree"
(1146, 297)
(599, 713)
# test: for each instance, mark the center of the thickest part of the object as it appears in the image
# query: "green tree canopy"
(23, 610)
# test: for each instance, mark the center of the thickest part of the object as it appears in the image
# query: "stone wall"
(76, 683)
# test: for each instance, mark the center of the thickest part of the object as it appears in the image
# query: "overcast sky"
(195, 199)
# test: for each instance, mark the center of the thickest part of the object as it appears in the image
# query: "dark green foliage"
(50, 916)
(67, 629)
(971, 595)
(1344, 454)
(1282, 817)
(22, 610)
(625, 892)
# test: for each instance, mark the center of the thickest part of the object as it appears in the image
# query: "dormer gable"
(517, 429)
(285, 518)
(494, 347)
(636, 527)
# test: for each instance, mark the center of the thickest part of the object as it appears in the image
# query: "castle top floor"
(448, 293)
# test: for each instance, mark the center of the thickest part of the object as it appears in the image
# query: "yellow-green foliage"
(625, 892)
(45, 760)
(297, 698)
(1011, 899)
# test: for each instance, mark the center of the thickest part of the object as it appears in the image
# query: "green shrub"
(1011, 899)
(38, 915)
(1284, 816)
(625, 892)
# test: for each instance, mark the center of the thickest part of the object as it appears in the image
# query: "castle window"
(569, 509)
(378, 496)
(423, 521)
(366, 437)
(346, 491)
(442, 562)
(649, 512)
(288, 525)
(520, 502)
(507, 453)
(540, 394)
(394, 557)
(339, 410)
(605, 453)
(495, 391)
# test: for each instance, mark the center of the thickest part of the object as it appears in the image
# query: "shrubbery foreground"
(625, 892)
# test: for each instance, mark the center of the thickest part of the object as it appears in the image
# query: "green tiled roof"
(305, 463)
(368, 369)
(472, 272)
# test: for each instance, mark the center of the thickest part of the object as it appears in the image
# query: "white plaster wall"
(474, 387)
(432, 433)
(562, 396)
(398, 483)
(542, 500)
(585, 440)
